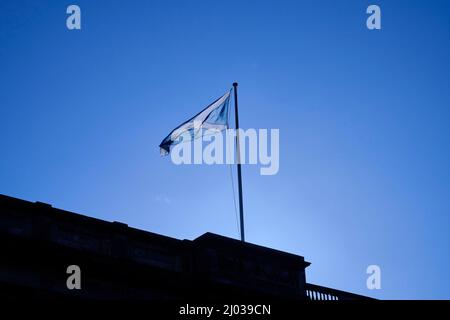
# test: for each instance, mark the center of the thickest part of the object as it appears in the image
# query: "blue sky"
(363, 118)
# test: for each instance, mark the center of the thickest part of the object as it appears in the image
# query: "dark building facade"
(117, 262)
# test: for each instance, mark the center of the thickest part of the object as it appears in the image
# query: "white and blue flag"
(213, 117)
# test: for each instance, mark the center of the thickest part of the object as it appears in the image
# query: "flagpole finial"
(235, 84)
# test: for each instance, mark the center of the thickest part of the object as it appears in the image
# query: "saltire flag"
(213, 117)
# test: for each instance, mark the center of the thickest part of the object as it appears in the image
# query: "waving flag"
(213, 117)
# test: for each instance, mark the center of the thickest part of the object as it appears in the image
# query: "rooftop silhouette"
(121, 262)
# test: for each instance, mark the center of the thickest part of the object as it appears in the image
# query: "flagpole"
(238, 155)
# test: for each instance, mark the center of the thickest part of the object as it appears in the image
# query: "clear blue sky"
(363, 116)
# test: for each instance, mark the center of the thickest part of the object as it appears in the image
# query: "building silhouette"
(39, 242)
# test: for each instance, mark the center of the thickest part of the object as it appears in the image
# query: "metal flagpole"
(238, 155)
